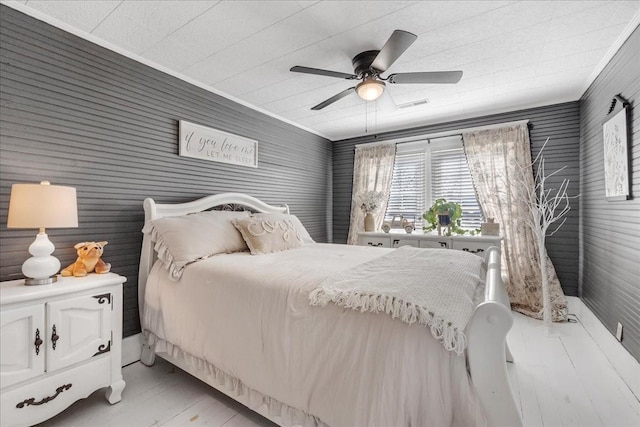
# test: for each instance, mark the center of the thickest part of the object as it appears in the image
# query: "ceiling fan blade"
(319, 72)
(427, 77)
(334, 98)
(392, 49)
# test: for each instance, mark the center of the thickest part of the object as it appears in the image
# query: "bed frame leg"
(148, 355)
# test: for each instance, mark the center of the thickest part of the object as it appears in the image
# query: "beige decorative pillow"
(302, 232)
(267, 233)
(182, 240)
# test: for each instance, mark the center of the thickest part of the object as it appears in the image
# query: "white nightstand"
(58, 344)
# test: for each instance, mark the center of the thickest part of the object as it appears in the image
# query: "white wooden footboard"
(487, 350)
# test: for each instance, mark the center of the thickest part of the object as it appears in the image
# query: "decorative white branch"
(543, 207)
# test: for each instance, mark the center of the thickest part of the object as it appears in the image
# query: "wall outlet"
(619, 332)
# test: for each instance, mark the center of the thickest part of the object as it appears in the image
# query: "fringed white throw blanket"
(436, 288)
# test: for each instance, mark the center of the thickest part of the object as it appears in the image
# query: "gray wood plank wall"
(610, 231)
(77, 114)
(560, 123)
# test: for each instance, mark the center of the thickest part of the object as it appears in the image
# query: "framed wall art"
(206, 143)
(616, 157)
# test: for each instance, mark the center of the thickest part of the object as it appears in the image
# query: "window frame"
(428, 145)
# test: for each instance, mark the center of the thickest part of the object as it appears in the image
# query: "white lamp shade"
(42, 206)
(370, 90)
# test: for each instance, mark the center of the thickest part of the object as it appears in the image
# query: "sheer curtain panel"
(372, 171)
(497, 158)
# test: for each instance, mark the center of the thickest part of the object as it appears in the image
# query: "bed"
(261, 338)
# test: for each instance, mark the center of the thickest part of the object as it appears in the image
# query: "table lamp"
(42, 206)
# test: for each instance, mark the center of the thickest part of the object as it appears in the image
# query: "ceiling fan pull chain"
(375, 118)
(366, 116)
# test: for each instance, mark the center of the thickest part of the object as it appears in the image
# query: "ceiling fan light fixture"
(370, 89)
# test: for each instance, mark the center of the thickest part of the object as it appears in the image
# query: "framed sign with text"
(206, 143)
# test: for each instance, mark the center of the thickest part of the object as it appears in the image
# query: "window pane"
(407, 187)
(451, 180)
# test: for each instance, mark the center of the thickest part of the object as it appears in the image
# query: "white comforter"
(248, 319)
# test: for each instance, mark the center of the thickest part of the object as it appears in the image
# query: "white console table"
(395, 239)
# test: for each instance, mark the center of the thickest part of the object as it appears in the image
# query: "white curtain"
(372, 171)
(497, 158)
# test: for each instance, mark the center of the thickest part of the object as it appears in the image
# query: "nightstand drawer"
(381, 242)
(52, 393)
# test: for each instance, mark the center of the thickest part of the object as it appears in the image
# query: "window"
(407, 197)
(428, 170)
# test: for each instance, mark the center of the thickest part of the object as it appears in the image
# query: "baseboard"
(131, 348)
(622, 361)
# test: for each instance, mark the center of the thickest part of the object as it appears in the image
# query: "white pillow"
(181, 240)
(268, 233)
(304, 234)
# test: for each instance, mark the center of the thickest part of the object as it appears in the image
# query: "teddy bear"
(89, 254)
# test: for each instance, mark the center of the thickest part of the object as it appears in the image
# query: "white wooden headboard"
(153, 210)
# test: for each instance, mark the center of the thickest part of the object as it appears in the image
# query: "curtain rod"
(442, 134)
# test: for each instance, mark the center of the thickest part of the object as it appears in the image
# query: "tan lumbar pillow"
(268, 233)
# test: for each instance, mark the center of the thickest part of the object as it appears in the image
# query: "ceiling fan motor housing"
(362, 63)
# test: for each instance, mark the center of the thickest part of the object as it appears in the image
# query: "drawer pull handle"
(54, 337)
(374, 244)
(32, 401)
(37, 342)
(477, 251)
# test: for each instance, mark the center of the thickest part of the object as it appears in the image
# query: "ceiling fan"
(370, 64)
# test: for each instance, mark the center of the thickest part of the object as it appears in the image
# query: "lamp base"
(46, 281)
(41, 268)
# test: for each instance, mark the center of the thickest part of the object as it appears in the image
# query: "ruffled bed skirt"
(233, 387)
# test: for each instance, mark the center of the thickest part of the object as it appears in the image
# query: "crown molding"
(615, 47)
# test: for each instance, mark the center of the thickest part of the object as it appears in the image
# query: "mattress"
(247, 320)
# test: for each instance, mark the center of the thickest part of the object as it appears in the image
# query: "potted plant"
(444, 214)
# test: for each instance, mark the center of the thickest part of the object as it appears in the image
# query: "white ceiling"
(514, 54)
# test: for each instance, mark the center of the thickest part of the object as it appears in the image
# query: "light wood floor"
(562, 379)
